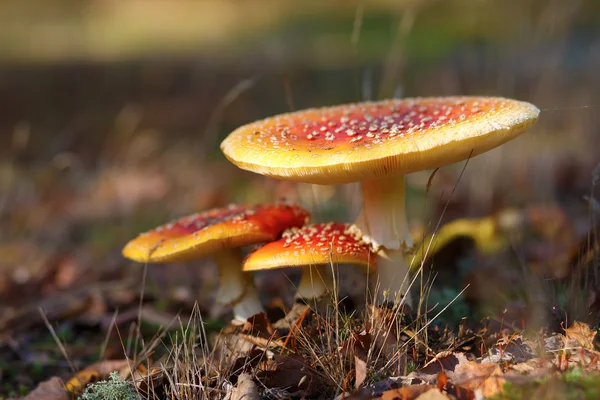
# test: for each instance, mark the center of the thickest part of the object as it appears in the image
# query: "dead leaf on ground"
(433, 394)
(360, 367)
(459, 376)
(292, 373)
(257, 331)
(525, 368)
(52, 389)
(246, 363)
(472, 375)
(245, 389)
(145, 379)
(580, 334)
(357, 347)
(259, 325)
(446, 362)
(493, 384)
(94, 373)
(383, 328)
(411, 392)
(511, 349)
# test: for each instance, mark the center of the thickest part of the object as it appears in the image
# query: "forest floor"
(476, 331)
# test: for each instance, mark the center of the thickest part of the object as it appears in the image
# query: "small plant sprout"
(219, 233)
(313, 246)
(377, 143)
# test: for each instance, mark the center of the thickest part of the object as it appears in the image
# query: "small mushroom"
(313, 246)
(219, 233)
(377, 143)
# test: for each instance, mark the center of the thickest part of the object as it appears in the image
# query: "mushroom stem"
(383, 215)
(391, 280)
(314, 284)
(236, 288)
(383, 224)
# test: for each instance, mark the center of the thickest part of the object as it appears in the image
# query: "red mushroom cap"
(200, 234)
(312, 245)
(365, 141)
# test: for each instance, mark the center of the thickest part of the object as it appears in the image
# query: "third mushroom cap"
(376, 143)
(312, 246)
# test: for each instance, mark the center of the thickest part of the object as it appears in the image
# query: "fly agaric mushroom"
(312, 246)
(377, 143)
(219, 232)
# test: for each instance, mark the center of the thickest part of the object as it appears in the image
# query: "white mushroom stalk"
(236, 288)
(315, 284)
(383, 224)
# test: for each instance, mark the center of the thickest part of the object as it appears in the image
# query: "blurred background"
(112, 111)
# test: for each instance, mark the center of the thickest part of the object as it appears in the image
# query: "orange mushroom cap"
(200, 234)
(365, 141)
(312, 245)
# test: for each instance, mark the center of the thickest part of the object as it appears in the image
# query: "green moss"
(573, 384)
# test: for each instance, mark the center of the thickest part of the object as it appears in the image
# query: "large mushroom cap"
(204, 233)
(365, 141)
(312, 245)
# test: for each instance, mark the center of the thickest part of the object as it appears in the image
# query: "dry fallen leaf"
(145, 379)
(94, 373)
(493, 384)
(472, 375)
(246, 363)
(360, 366)
(580, 334)
(383, 329)
(357, 347)
(292, 373)
(446, 362)
(511, 349)
(525, 368)
(406, 393)
(52, 389)
(433, 394)
(245, 389)
(259, 325)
